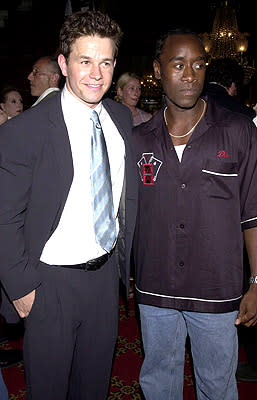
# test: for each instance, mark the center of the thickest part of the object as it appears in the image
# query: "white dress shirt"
(73, 241)
(44, 94)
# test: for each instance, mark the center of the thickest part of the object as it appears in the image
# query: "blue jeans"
(214, 347)
(3, 389)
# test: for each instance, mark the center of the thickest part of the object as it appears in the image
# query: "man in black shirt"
(197, 191)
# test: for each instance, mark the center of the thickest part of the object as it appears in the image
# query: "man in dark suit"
(61, 276)
(224, 77)
(44, 79)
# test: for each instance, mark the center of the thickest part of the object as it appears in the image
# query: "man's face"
(89, 68)
(181, 70)
(41, 77)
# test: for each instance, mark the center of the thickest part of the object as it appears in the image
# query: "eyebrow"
(180, 58)
(82, 57)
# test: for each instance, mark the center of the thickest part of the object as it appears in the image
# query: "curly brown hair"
(88, 23)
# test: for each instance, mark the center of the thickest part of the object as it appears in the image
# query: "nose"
(30, 76)
(188, 73)
(95, 72)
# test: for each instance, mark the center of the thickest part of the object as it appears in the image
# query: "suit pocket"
(36, 303)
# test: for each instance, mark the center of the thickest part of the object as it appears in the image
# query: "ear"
(62, 64)
(2, 105)
(232, 90)
(55, 78)
(157, 68)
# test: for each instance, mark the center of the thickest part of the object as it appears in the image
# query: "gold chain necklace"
(191, 130)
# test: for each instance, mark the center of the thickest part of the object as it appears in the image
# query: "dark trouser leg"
(96, 338)
(250, 347)
(70, 334)
(48, 341)
(249, 335)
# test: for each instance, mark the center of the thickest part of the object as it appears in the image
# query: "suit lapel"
(128, 203)
(61, 145)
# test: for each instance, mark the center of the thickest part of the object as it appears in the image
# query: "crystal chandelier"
(225, 40)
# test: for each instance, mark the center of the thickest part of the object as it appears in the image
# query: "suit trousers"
(70, 333)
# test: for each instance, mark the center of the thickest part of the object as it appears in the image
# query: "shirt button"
(183, 186)
(182, 226)
(189, 147)
(181, 263)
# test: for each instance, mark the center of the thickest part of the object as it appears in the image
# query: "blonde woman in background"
(128, 93)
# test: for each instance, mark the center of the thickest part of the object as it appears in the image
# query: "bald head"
(44, 75)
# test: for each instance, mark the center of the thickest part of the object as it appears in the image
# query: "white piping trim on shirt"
(248, 220)
(187, 298)
(217, 173)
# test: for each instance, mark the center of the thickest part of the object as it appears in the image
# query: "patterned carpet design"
(126, 367)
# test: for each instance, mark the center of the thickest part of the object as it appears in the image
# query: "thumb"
(238, 318)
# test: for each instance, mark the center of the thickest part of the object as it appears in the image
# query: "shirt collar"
(44, 94)
(72, 104)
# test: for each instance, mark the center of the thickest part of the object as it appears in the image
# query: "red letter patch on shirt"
(149, 167)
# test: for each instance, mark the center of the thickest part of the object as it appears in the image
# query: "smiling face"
(131, 92)
(89, 68)
(181, 69)
(13, 104)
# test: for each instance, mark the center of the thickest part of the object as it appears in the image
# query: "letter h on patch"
(148, 168)
(147, 172)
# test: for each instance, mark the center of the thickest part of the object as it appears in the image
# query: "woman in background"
(11, 101)
(128, 93)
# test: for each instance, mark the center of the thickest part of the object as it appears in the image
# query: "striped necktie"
(101, 187)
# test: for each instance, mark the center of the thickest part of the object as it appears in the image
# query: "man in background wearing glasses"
(44, 78)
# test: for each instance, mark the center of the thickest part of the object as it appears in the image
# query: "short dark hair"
(225, 71)
(88, 23)
(174, 31)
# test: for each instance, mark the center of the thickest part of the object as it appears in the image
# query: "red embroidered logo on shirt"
(223, 154)
(148, 167)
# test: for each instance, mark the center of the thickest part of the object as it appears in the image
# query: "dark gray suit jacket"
(36, 173)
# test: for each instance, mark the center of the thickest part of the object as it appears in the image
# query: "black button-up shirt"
(188, 245)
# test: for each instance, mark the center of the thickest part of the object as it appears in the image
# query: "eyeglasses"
(36, 72)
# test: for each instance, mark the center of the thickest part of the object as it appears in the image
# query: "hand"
(24, 304)
(247, 314)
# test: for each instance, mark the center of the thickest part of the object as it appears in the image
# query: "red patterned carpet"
(127, 362)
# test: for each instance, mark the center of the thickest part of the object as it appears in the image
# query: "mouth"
(94, 86)
(188, 92)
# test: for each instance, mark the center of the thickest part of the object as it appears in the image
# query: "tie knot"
(95, 118)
